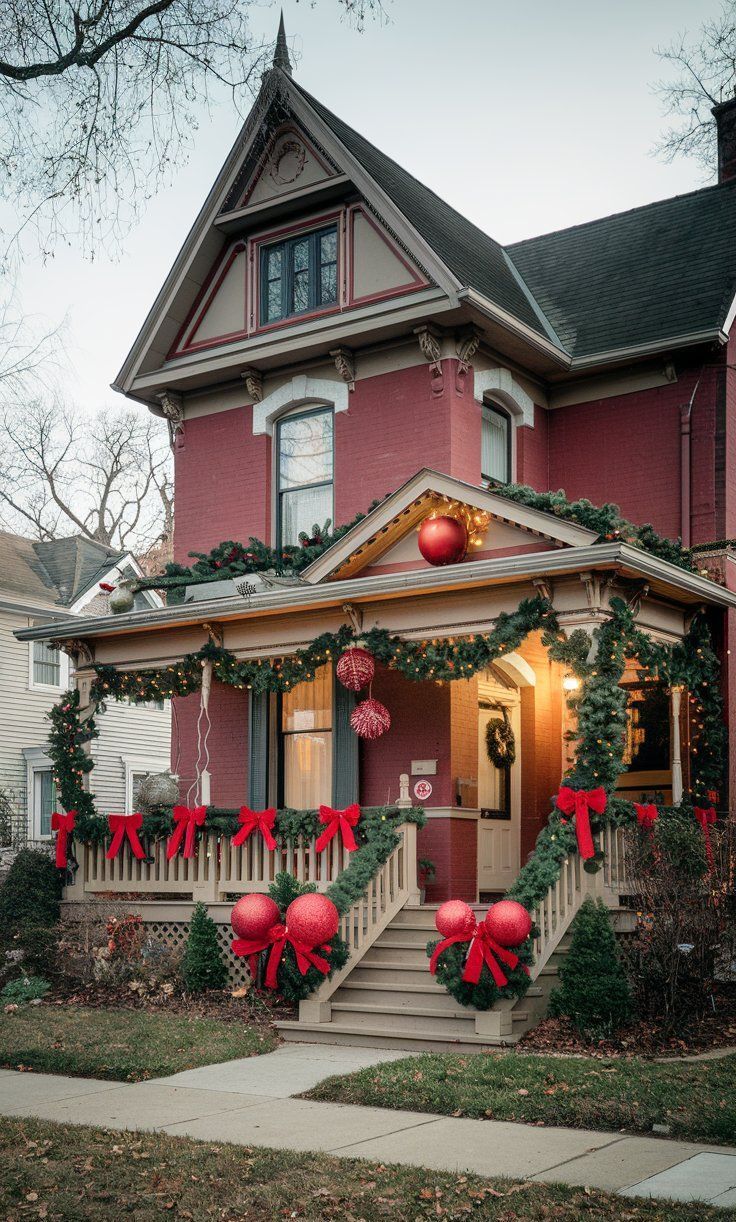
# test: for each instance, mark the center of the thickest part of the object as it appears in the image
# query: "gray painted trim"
(345, 748)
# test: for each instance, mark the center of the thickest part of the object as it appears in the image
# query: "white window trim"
(64, 674)
(36, 761)
(132, 764)
(299, 410)
(301, 392)
(501, 386)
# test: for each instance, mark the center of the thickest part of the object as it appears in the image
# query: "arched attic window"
(495, 443)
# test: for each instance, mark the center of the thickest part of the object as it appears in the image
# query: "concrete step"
(378, 1037)
(364, 1011)
(397, 952)
(412, 935)
(393, 997)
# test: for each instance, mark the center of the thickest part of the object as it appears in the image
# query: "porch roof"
(665, 580)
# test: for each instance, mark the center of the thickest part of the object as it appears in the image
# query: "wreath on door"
(501, 741)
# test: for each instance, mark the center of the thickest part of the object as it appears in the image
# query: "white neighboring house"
(41, 582)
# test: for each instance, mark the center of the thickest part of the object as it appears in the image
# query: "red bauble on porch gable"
(508, 923)
(442, 540)
(253, 915)
(312, 919)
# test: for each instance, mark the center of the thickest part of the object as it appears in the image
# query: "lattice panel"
(175, 933)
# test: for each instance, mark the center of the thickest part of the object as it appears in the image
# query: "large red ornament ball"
(254, 915)
(442, 540)
(508, 923)
(356, 668)
(312, 919)
(455, 917)
(370, 719)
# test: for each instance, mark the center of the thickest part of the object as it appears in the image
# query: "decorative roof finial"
(281, 54)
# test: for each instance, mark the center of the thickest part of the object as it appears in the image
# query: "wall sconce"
(570, 683)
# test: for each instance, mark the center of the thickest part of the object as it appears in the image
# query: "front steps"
(390, 1000)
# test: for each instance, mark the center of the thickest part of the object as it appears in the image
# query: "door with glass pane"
(498, 800)
(306, 743)
(44, 801)
(305, 466)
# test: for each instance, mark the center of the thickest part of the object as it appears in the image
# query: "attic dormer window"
(299, 275)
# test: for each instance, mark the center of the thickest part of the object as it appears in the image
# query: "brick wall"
(420, 729)
(228, 744)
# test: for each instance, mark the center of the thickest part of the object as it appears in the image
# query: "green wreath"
(501, 742)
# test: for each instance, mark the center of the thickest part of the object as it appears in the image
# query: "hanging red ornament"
(455, 917)
(253, 915)
(370, 718)
(312, 919)
(356, 668)
(508, 923)
(443, 540)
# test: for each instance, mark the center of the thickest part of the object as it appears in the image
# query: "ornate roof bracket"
(253, 379)
(344, 359)
(82, 653)
(466, 346)
(172, 406)
(544, 587)
(429, 340)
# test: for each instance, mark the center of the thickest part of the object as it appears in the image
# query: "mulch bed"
(215, 1004)
(643, 1038)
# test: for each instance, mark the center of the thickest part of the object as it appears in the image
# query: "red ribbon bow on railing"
(276, 939)
(187, 820)
(345, 820)
(63, 825)
(580, 802)
(646, 815)
(252, 819)
(125, 827)
(705, 816)
(483, 949)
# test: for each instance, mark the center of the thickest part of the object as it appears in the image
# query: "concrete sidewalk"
(249, 1102)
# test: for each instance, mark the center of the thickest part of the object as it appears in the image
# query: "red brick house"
(332, 332)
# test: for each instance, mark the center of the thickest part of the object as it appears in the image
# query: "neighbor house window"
(495, 444)
(46, 665)
(44, 800)
(306, 743)
(304, 473)
(299, 275)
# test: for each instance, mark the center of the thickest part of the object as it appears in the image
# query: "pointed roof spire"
(281, 54)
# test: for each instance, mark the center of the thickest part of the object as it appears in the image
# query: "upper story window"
(46, 668)
(495, 444)
(299, 275)
(304, 472)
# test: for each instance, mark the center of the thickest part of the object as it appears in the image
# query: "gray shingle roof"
(58, 571)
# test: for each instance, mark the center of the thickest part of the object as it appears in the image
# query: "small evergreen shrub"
(202, 967)
(24, 990)
(594, 991)
(30, 892)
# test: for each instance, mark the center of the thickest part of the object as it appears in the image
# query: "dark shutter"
(258, 750)
(344, 748)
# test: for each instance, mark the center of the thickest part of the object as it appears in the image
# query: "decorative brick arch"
(502, 385)
(301, 391)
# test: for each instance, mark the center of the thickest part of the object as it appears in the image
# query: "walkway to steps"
(390, 1000)
(248, 1103)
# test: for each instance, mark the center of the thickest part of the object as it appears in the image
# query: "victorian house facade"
(333, 334)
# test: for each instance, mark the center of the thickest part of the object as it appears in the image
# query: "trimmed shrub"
(594, 992)
(202, 967)
(30, 892)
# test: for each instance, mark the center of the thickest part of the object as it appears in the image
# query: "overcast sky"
(525, 117)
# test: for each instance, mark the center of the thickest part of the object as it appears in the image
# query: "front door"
(498, 795)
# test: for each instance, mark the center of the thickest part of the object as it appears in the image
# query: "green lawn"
(56, 1173)
(697, 1100)
(125, 1045)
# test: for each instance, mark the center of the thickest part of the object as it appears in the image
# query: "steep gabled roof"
(56, 571)
(647, 276)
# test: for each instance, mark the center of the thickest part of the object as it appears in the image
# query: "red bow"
(646, 815)
(345, 820)
(276, 939)
(482, 950)
(580, 802)
(706, 815)
(252, 819)
(187, 820)
(125, 827)
(63, 825)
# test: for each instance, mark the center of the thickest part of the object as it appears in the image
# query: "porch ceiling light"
(570, 683)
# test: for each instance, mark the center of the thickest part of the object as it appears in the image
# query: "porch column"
(675, 697)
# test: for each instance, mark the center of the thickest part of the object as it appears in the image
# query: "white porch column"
(675, 697)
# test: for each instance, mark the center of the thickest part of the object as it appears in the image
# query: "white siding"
(140, 735)
(22, 709)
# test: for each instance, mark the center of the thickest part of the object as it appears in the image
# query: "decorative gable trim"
(299, 392)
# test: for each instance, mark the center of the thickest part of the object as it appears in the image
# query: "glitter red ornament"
(508, 923)
(356, 668)
(442, 540)
(370, 718)
(253, 916)
(455, 917)
(312, 919)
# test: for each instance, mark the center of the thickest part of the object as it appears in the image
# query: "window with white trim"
(43, 801)
(495, 444)
(305, 741)
(304, 472)
(46, 665)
